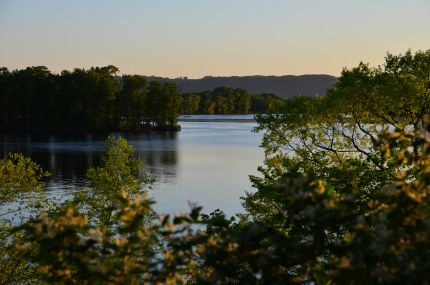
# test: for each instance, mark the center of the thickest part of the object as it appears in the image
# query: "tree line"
(89, 100)
(225, 100)
(34, 99)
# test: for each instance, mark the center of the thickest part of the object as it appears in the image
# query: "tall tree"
(170, 104)
(131, 100)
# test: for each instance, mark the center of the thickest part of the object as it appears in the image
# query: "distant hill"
(283, 86)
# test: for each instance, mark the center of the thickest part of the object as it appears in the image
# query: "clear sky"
(195, 38)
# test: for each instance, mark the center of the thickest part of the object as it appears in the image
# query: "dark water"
(207, 162)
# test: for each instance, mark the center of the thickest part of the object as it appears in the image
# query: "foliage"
(97, 99)
(335, 140)
(19, 180)
(19, 175)
(106, 234)
(327, 236)
(15, 267)
(344, 199)
(119, 172)
(72, 251)
(336, 136)
(34, 99)
(224, 100)
(131, 101)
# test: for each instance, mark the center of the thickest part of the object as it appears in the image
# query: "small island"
(35, 100)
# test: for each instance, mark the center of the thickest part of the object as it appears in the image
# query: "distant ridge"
(284, 86)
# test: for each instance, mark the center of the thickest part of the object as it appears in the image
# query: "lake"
(207, 163)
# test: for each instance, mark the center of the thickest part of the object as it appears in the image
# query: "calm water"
(207, 162)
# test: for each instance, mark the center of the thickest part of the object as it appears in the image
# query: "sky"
(196, 38)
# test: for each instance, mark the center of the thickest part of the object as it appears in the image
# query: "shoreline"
(86, 132)
(216, 120)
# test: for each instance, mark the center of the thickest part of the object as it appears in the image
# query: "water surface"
(207, 163)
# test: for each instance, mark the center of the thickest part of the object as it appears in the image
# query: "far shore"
(216, 120)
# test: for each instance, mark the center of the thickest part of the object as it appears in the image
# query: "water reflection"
(158, 154)
(69, 157)
(207, 162)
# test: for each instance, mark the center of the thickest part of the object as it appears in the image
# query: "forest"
(225, 100)
(34, 99)
(97, 99)
(343, 197)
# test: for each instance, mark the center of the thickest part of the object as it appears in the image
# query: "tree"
(35, 100)
(207, 105)
(191, 103)
(171, 104)
(335, 141)
(131, 100)
(336, 135)
(153, 102)
(106, 234)
(19, 179)
(102, 91)
(244, 102)
(327, 236)
(120, 172)
(334, 205)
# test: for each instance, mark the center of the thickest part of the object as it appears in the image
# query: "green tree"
(102, 91)
(153, 102)
(243, 102)
(191, 103)
(19, 180)
(335, 141)
(208, 106)
(19, 176)
(33, 99)
(222, 106)
(131, 100)
(119, 172)
(326, 236)
(344, 199)
(107, 234)
(336, 135)
(171, 103)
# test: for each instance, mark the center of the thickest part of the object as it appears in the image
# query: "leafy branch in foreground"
(119, 172)
(327, 236)
(336, 136)
(19, 175)
(19, 180)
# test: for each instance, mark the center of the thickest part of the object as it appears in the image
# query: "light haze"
(195, 38)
